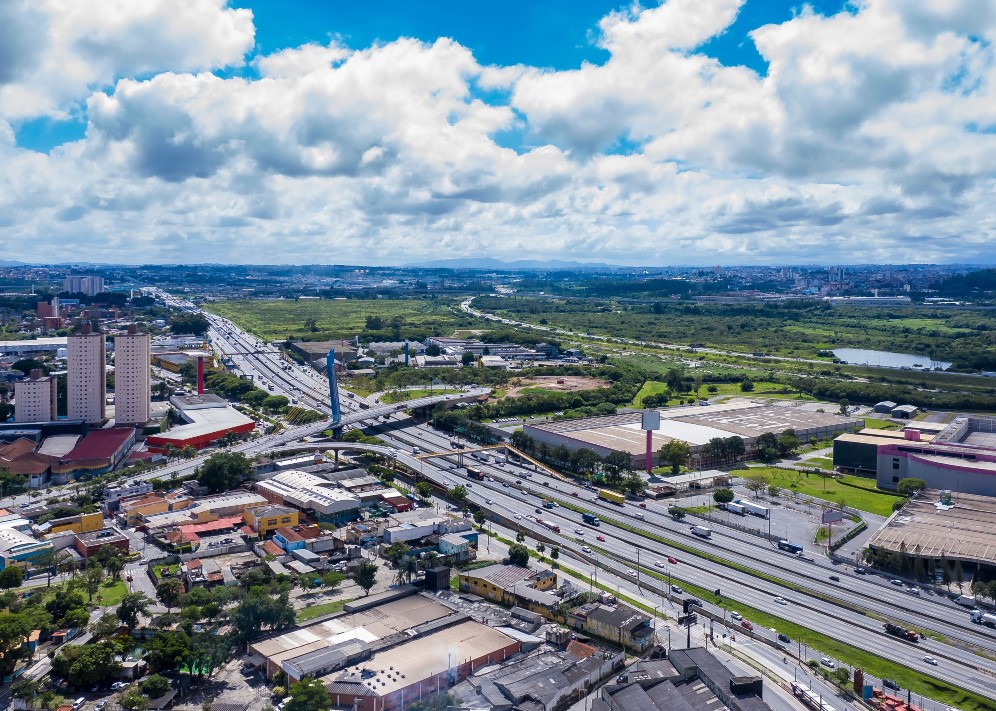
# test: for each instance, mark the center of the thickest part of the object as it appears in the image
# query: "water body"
(887, 359)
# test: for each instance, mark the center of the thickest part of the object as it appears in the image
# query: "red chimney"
(200, 375)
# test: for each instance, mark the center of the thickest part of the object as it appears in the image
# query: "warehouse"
(694, 425)
(208, 418)
(311, 493)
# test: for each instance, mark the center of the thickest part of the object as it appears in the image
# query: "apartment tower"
(132, 389)
(35, 398)
(86, 377)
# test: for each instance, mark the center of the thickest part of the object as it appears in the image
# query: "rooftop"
(101, 444)
(105, 535)
(503, 576)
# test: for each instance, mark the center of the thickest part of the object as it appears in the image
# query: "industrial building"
(51, 344)
(312, 494)
(960, 457)
(694, 425)
(208, 418)
(86, 377)
(936, 524)
(35, 398)
(132, 377)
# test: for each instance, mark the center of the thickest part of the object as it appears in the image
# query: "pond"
(889, 359)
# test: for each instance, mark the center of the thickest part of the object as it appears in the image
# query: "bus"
(789, 546)
(809, 697)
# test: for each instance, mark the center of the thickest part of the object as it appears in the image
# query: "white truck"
(738, 509)
(500, 459)
(983, 618)
(701, 531)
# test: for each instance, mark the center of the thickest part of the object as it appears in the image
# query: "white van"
(79, 703)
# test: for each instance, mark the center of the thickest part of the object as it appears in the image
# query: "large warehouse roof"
(927, 528)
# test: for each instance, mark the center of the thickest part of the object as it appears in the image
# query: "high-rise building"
(35, 398)
(79, 284)
(86, 376)
(132, 389)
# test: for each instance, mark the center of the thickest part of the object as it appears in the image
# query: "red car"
(643, 504)
(600, 538)
(672, 560)
(574, 493)
(746, 625)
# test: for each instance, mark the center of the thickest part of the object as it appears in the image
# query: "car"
(100, 706)
(736, 615)
(538, 511)
(677, 590)
(781, 601)
(600, 538)
(631, 573)
(518, 516)
(835, 578)
(782, 637)
(860, 571)
(518, 481)
(643, 504)
(658, 563)
(897, 582)
(890, 684)
(489, 502)
(469, 485)
(585, 549)
(672, 560)
(79, 703)
(574, 493)
(746, 625)
(912, 590)
(930, 660)
(828, 663)
(579, 531)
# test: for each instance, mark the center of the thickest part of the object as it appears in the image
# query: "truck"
(965, 600)
(456, 444)
(983, 618)
(789, 546)
(480, 456)
(613, 496)
(500, 459)
(551, 525)
(475, 474)
(902, 632)
(591, 519)
(547, 504)
(738, 509)
(755, 509)
(701, 531)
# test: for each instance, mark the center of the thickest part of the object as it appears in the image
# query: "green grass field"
(856, 492)
(877, 424)
(277, 319)
(819, 462)
(404, 395)
(761, 389)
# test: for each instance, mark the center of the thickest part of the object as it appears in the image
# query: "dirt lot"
(564, 383)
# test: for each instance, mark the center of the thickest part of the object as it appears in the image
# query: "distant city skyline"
(689, 132)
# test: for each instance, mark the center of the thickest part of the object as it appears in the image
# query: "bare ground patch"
(561, 383)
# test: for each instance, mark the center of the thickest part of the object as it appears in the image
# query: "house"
(88, 543)
(291, 538)
(617, 623)
(201, 573)
(266, 519)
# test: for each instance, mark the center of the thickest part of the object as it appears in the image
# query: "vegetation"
(853, 492)
(224, 471)
(365, 575)
(322, 608)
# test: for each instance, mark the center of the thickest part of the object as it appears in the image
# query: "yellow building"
(266, 519)
(136, 510)
(504, 583)
(80, 523)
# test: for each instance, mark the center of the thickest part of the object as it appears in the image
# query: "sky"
(675, 132)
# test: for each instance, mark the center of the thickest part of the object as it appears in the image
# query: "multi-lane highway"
(851, 611)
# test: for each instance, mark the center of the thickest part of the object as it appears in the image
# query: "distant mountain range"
(9, 263)
(489, 264)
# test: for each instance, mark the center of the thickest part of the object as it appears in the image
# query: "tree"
(723, 496)
(520, 537)
(168, 591)
(189, 322)
(457, 493)
(276, 403)
(167, 650)
(47, 560)
(910, 485)
(87, 665)
(332, 580)
(675, 453)
(155, 685)
(788, 442)
(11, 577)
(635, 483)
(133, 700)
(309, 695)
(755, 482)
(747, 386)
(844, 407)
(131, 607)
(25, 689)
(374, 323)
(106, 626)
(396, 551)
(518, 554)
(959, 574)
(841, 675)
(224, 471)
(260, 609)
(424, 490)
(774, 491)
(92, 579)
(480, 517)
(365, 575)
(677, 512)
(407, 569)
(467, 359)
(617, 463)
(554, 553)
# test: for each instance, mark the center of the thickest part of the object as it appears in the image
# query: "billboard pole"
(651, 422)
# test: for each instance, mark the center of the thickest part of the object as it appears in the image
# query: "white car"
(118, 685)
(828, 663)
(781, 601)
(585, 549)
(488, 502)
(631, 573)
(578, 532)
(912, 590)
(518, 516)
(659, 563)
(931, 661)
(736, 615)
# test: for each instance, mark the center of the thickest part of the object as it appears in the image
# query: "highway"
(840, 617)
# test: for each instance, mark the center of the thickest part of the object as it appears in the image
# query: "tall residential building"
(35, 398)
(89, 285)
(132, 389)
(86, 377)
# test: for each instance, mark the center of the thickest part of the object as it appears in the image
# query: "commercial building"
(312, 494)
(87, 544)
(208, 418)
(18, 548)
(499, 583)
(132, 379)
(960, 457)
(231, 504)
(86, 377)
(97, 453)
(35, 399)
(50, 344)
(79, 523)
(79, 284)
(269, 517)
(695, 425)
(938, 524)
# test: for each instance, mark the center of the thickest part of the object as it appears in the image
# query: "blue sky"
(677, 132)
(560, 34)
